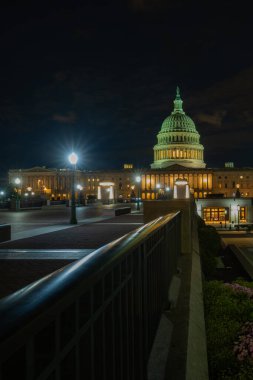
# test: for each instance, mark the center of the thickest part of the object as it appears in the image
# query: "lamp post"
(158, 187)
(238, 215)
(226, 211)
(167, 189)
(80, 188)
(73, 160)
(108, 191)
(2, 197)
(138, 180)
(18, 183)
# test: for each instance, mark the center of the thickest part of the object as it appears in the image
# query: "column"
(99, 192)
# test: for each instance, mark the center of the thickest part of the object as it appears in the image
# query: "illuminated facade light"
(17, 181)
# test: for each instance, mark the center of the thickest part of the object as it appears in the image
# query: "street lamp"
(138, 180)
(2, 196)
(226, 211)
(158, 187)
(80, 188)
(108, 191)
(238, 214)
(18, 183)
(73, 160)
(167, 189)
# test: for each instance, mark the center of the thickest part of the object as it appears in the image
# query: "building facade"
(177, 154)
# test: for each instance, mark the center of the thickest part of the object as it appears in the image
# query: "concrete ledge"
(122, 210)
(5, 232)
(244, 258)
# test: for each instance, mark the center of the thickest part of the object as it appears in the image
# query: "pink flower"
(243, 348)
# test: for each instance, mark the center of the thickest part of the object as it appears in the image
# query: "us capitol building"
(222, 195)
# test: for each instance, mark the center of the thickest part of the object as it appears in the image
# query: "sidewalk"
(18, 264)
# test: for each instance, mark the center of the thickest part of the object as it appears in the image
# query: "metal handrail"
(17, 308)
(22, 307)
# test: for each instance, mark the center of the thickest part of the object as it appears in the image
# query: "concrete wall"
(154, 209)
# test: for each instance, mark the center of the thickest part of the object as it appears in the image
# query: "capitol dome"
(178, 122)
(178, 140)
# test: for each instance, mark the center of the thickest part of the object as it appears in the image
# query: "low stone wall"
(154, 209)
(5, 232)
(122, 210)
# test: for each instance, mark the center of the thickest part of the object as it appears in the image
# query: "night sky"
(99, 77)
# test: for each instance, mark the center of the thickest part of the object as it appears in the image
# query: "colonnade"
(162, 154)
(201, 182)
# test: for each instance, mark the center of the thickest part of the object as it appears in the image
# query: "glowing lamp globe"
(73, 158)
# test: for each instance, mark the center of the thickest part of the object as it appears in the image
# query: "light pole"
(167, 189)
(226, 211)
(80, 188)
(138, 180)
(238, 215)
(108, 191)
(2, 196)
(158, 187)
(18, 183)
(73, 160)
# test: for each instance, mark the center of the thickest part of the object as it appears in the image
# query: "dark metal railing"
(95, 318)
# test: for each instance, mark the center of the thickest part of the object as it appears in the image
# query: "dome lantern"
(178, 103)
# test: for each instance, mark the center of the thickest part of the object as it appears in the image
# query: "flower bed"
(229, 328)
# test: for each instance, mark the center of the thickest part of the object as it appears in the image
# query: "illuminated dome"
(178, 141)
(178, 122)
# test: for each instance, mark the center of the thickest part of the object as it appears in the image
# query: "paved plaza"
(43, 240)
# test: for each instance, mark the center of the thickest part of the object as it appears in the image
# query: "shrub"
(209, 247)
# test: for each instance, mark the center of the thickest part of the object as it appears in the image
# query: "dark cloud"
(215, 119)
(69, 118)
